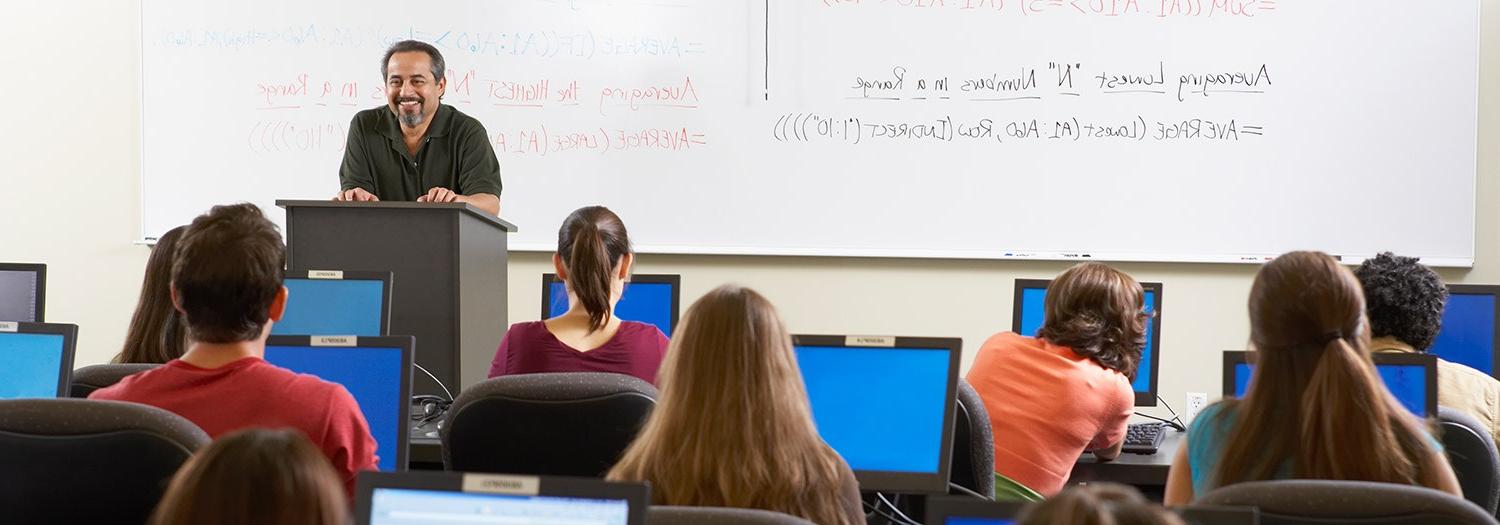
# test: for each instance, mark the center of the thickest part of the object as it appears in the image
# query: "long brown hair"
(732, 427)
(1098, 312)
(1315, 399)
(591, 243)
(255, 477)
(1098, 504)
(156, 334)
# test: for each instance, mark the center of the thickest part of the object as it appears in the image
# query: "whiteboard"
(1150, 130)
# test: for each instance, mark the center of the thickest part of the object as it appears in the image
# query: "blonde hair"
(732, 427)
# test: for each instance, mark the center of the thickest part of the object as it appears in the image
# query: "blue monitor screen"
(1034, 309)
(880, 408)
(432, 507)
(1468, 334)
(371, 374)
(956, 520)
(332, 307)
(30, 365)
(1407, 382)
(641, 302)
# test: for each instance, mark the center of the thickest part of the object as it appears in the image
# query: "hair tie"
(1331, 336)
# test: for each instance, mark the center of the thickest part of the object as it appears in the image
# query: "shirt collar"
(1391, 344)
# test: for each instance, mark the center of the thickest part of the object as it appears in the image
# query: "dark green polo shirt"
(455, 154)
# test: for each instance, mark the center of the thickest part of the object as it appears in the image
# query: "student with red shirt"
(593, 259)
(226, 283)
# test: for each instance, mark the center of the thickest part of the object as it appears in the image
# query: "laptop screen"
(882, 409)
(19, 291)
(31, 364)
(333, 307)
(374, 375)
(1468, 334)
(393, 506)
(1033, 309)
(650, 299)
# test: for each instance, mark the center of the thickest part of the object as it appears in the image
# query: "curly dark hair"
(1097, 311)
(1403, 299)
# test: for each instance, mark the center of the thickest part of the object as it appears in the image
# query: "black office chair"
(80, 461)
(1471, 451)
(666, 515)
(973, 465)
(1323, 502)
(93, 377)
(566, 424)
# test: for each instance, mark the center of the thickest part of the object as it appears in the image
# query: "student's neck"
(215, 355)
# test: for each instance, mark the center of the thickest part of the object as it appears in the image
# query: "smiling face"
(412, 92)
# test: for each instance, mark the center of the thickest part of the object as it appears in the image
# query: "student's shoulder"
(525, 329)
(640, 329)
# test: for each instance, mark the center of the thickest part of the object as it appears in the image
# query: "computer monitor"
(1471, 324)
(336, 302)
(36, 359)
(375, 370)
(23, 292)
(885, 404)
(440, 498)
(1030, 309)
(1412, 378)
(960, 510)
(647, 298)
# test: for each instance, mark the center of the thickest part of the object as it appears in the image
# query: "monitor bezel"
(1494, 291)
(908, 482)
(69, 333)
(39, 310)
(940, 508)
(403, 410)
(385, 278)
(675, 280)
(1428, 362)
(636, 495)
(1142, 399)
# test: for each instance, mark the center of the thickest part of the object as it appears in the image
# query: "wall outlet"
(1195, 403)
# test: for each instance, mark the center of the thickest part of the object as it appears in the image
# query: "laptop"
(36, 359)
(444, 498)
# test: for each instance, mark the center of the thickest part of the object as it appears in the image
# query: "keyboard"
(1144, 438)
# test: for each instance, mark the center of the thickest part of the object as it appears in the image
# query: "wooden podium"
(448, 287)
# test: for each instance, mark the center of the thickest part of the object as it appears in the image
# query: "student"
(156, 334)
(1405, 301)
(1098, 504)
(226, 285)
(594, 259)
(1068, 389)
(255, 477)
(733, 427)
(1316, 408)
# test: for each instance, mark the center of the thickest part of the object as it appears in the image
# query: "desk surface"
(1130, 469)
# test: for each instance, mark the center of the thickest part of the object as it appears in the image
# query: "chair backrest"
(1303, 501)
(666, 515)
(1471, 451)
(80, 461)
(93, 377)
(973, 444)
(564, 424)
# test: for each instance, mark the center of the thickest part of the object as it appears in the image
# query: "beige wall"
(70, 191)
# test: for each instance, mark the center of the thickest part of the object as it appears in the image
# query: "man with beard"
(416, 148)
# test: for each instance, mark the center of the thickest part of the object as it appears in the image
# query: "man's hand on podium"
(356, 195)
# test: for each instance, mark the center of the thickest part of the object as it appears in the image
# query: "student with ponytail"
(594, 260)
(1315, 408)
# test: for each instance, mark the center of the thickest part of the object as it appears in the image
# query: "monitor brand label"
(335, 340)
(9, 326)
(884, 341)
(325, 274)
(500, 484)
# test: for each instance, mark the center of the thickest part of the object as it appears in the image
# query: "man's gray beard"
(411, 120)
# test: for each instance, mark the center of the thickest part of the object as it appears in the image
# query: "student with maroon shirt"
(226, 284)
(593, 258)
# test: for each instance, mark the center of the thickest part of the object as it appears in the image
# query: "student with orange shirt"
(1067, 390)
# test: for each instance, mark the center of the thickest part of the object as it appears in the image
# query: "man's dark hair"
(1403, 299)
(227, 270)
(439, 67)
